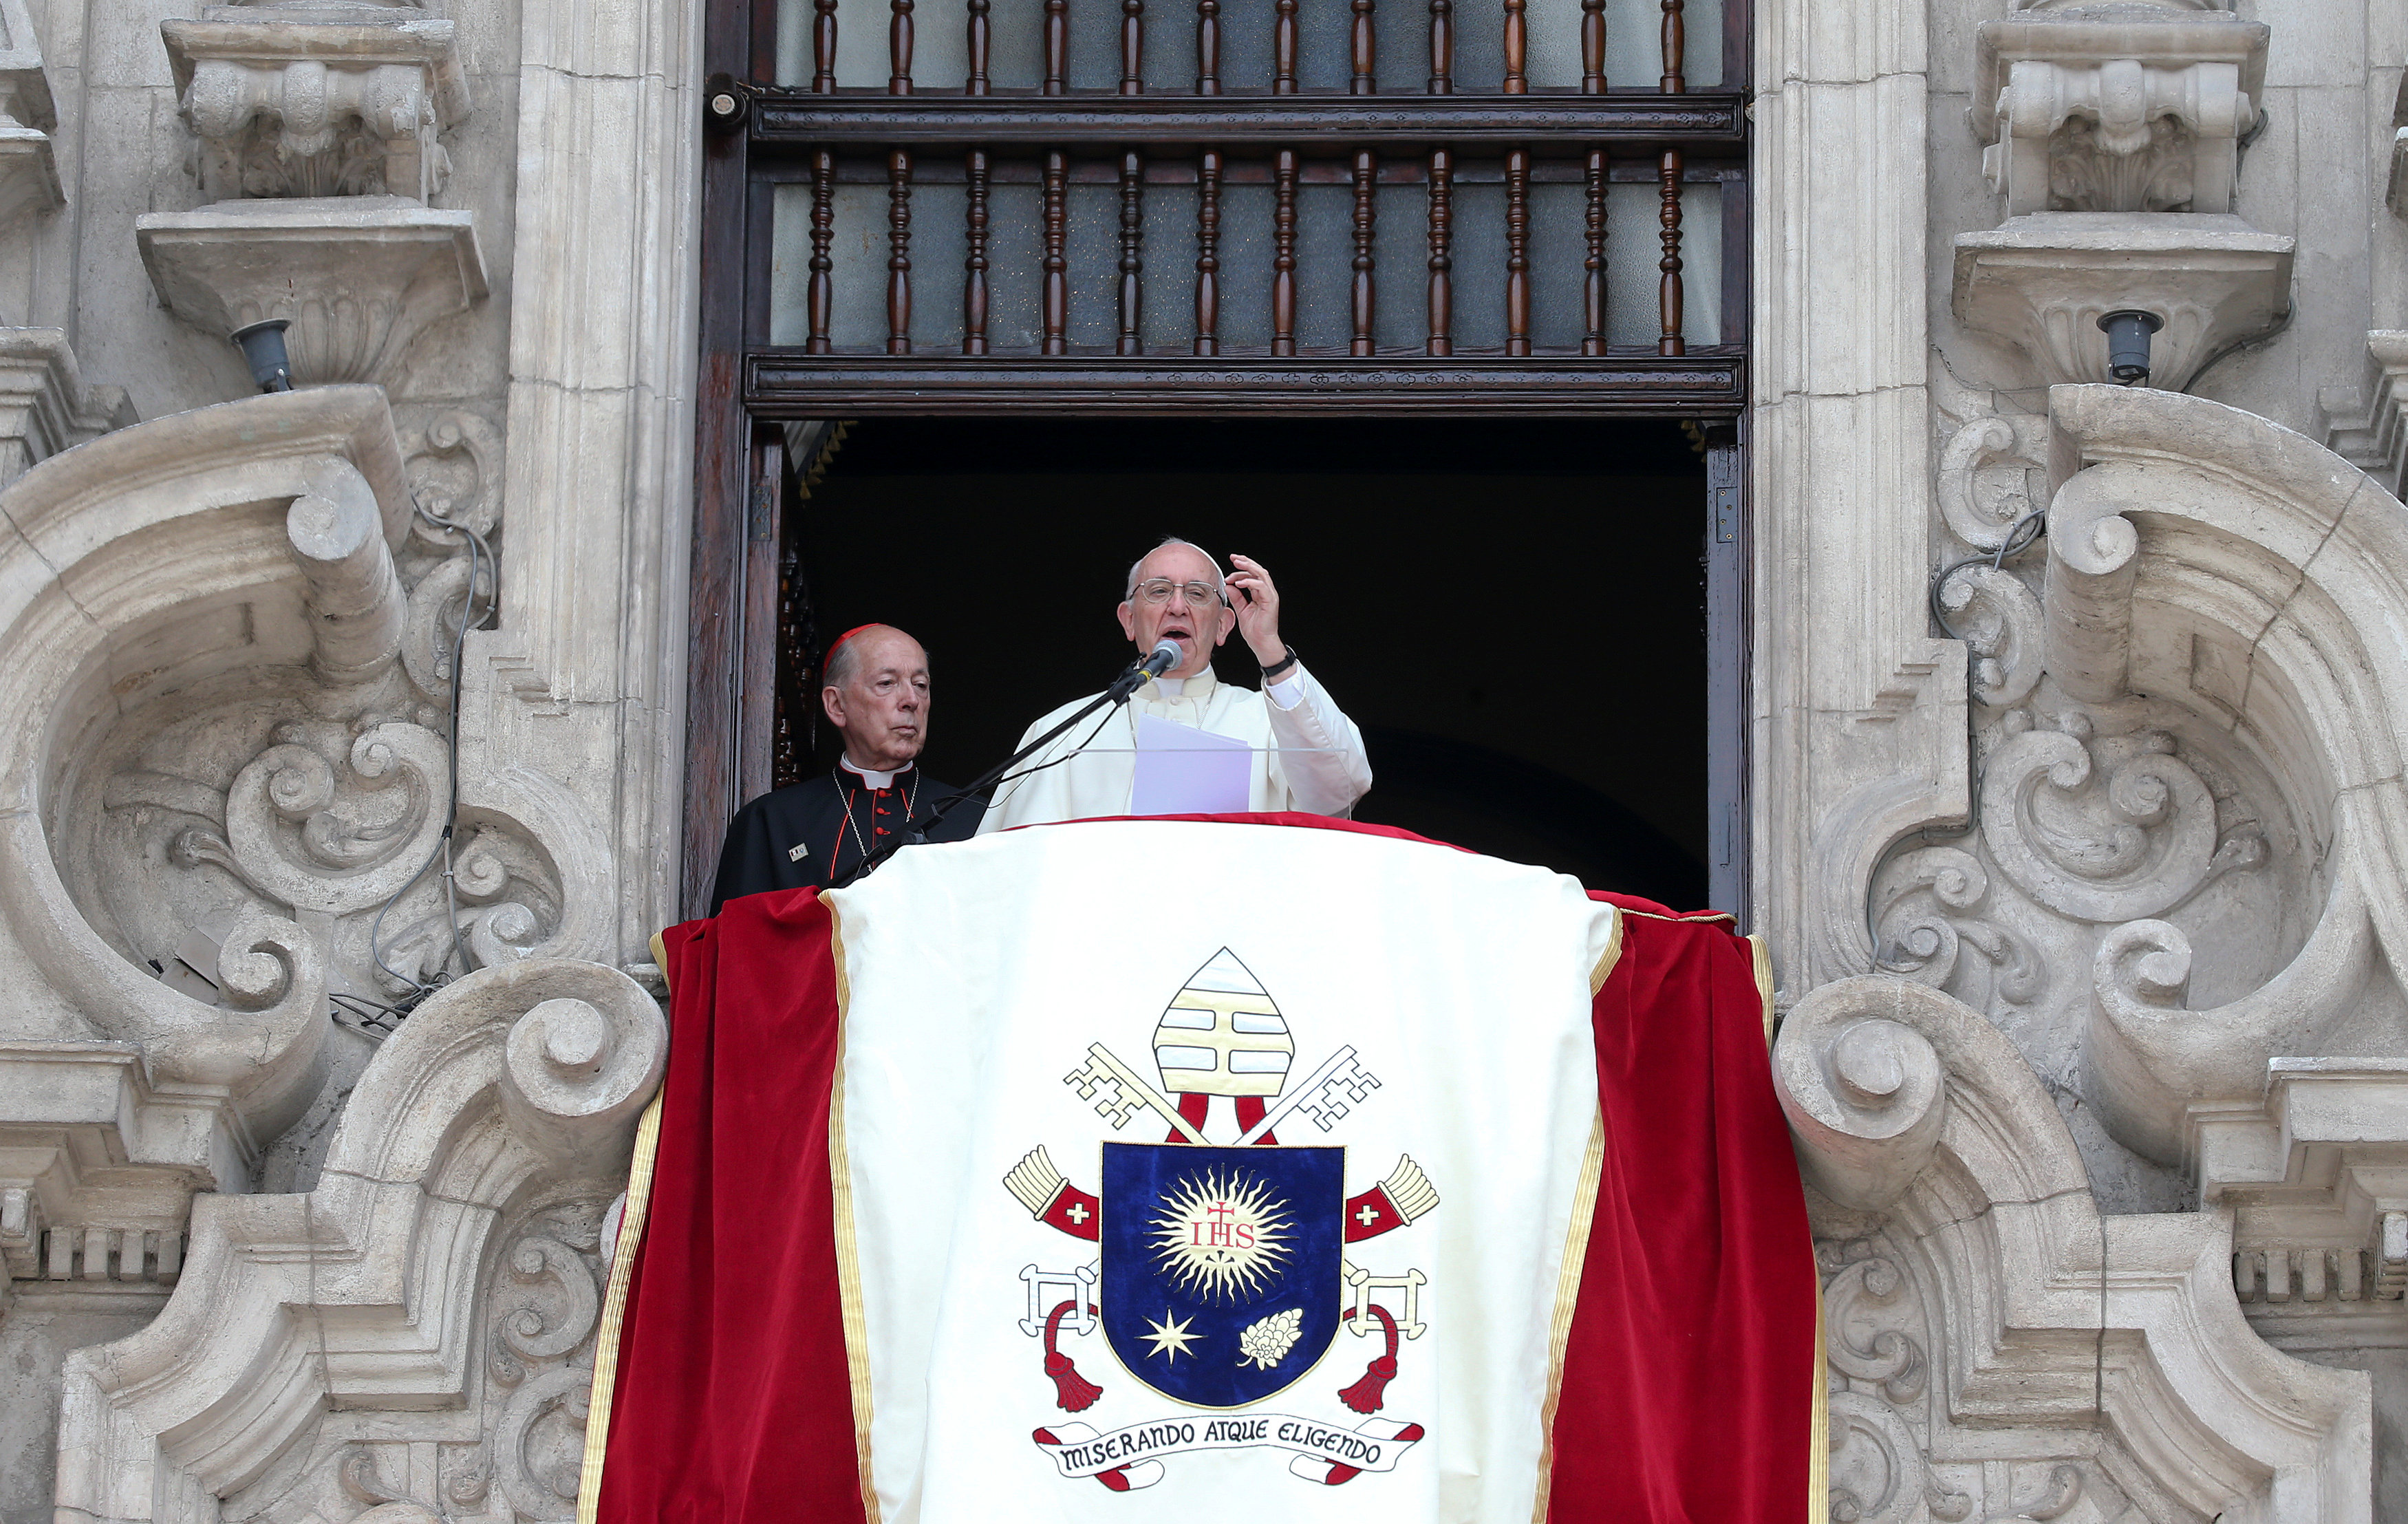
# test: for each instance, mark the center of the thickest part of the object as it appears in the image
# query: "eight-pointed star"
(1171, 1337)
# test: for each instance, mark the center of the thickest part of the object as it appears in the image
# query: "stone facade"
(2079, 811)
(2076, 749)
(263, 1261)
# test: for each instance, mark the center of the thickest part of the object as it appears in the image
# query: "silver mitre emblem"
(1222, 1036)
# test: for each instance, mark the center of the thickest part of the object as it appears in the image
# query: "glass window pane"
(790, 255)
(939, 244)
(1634, 273)
(1400, 297)
(1633, 48)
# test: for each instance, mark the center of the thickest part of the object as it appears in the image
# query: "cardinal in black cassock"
(812, 833)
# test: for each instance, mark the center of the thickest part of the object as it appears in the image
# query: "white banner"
(1198, 1159)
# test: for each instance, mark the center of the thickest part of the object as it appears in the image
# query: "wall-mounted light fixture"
(263, 344)
(2127, 343)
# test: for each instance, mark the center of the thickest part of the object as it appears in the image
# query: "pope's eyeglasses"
(1158, 590)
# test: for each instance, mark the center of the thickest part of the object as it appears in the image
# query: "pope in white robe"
(1305, 754)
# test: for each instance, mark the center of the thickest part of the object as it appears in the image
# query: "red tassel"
(1366, 1395)
(1074, 1391)
(1369, 1394)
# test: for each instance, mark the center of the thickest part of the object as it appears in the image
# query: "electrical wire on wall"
(369, 1016)
(2020, 537)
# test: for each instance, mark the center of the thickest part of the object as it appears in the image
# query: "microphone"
(1166, 656)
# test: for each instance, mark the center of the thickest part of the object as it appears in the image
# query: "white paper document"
(1181, 771)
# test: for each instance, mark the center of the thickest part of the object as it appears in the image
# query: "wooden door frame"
(740, 470)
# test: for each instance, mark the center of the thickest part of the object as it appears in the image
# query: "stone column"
(585, 680)
(1858, 733)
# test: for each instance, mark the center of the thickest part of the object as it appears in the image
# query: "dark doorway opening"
(1515, 611)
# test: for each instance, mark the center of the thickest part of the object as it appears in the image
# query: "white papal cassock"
(1307, 754)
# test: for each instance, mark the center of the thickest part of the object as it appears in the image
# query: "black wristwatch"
(1278, 669)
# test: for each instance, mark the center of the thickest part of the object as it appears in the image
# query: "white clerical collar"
(875, 780)
(1198, 687)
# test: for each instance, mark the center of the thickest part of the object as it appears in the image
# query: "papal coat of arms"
(1222, 1279)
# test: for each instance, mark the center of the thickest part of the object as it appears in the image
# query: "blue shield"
(1220, 1266)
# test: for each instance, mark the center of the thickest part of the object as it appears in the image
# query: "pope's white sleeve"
(1320, 757)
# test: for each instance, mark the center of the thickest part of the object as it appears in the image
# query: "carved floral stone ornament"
(236, 816)
(246, 642)
(318, 136)
(2171, 895)
(1980, 1311)
(451, 1251)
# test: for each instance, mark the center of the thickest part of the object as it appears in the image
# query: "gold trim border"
(614, 1296)
(1608, 960)
(847, 1248)
(614, 1308)
(1762, 957)
(1818, 1431)
(1567, 1277)
(1818, 1425)
(1567, 1284)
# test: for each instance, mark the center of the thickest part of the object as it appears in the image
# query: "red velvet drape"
(1686, 1395)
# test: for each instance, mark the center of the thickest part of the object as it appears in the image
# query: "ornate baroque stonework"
(2081, 828)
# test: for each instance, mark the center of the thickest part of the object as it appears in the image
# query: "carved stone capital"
(318, 100)
(2116, 108)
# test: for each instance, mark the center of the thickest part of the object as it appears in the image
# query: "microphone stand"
(915, 830)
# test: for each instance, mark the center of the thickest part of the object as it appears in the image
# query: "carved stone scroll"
(2128, 834)
(2002, 624)
(1865, 1092)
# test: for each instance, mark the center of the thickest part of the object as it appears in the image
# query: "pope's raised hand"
(1257, 600)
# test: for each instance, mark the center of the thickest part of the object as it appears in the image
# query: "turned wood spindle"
(1517, 48)
(1592, 284)
(1592, 47)
(1057, 46)
(1057, 316)
(820, 294)
(1517, 251)
(898, 255)
(1284, 49)
(1675, 46)
(1365, 51)
(1442, 34)
(1367, 180)
(1284, 252)
(1207, 47)
(981, 43)
(974, 266)
(1441, 256)
(1132, 266)
(1208, 253)
(823, 46)
(1132, 47)
(898, 49)
(1667, 180)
